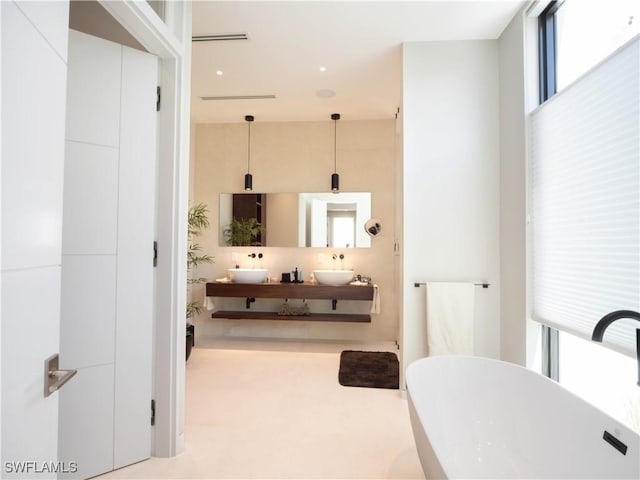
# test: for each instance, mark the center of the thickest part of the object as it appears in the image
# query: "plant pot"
(190, 340)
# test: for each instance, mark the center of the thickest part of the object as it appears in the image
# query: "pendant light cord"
(249, 149)
(335, 148)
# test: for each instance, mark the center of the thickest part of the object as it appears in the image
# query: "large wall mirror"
(335, 220)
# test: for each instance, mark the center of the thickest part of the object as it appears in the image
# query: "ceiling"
(358, 43)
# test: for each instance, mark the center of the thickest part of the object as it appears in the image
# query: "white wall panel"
(33, 104)
(87, 56)
(109, 228)
(30, 311)
(90, 199)
(93, 451)
(51, 19)
(135, 284)
(87, 332)
(89, 254)
(32, 145)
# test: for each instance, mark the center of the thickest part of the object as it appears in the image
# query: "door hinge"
(155, 253)
(153, 412)
(157, 98)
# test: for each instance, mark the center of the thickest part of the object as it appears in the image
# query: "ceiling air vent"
(240, 97)
(219, 37)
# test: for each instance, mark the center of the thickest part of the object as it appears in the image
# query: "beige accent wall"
(283, 219)
(291, 157)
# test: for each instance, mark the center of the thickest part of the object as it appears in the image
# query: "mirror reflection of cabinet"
(251, 205)
(320, 219)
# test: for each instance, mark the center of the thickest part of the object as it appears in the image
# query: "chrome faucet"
(608, 319)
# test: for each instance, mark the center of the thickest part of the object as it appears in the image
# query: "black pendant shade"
(248, 179)
(335, 178)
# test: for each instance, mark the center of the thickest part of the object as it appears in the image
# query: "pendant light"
(248, 179)
(335, 178)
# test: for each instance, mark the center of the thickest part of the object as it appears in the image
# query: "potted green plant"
(197, 222)
(244, 232)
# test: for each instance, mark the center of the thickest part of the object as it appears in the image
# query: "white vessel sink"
(247, 275)
(333, 277)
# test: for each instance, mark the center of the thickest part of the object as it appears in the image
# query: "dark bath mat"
(369, 369)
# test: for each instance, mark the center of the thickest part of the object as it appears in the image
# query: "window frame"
(547, 50)
(547, 58)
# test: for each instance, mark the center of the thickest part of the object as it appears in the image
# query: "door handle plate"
(54, 378)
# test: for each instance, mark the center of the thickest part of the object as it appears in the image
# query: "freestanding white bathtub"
(475, 417)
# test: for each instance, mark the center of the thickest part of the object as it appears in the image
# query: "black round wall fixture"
(373, 227)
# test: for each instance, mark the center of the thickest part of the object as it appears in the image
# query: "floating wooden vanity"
(307, 291)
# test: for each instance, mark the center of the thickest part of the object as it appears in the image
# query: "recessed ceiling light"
(323, 69)
(325, 93)
(219, 72)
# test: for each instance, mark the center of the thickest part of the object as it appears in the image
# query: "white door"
(107, 255)
(34, 49)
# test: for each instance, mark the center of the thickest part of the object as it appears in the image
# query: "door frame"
(171, 42)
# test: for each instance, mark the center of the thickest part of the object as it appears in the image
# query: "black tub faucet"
(608, 319)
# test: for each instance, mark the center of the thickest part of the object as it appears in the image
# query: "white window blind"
(585, 189)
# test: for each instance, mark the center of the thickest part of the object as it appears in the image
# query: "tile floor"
(275, 410)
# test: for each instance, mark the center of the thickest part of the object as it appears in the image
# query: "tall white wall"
(34, 55)
(513, 193)
(451, 182)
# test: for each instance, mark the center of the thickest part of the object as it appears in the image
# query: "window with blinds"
(584, 146)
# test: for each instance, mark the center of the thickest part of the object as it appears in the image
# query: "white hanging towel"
(450, 308)
(375, 303)
(207, 302)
